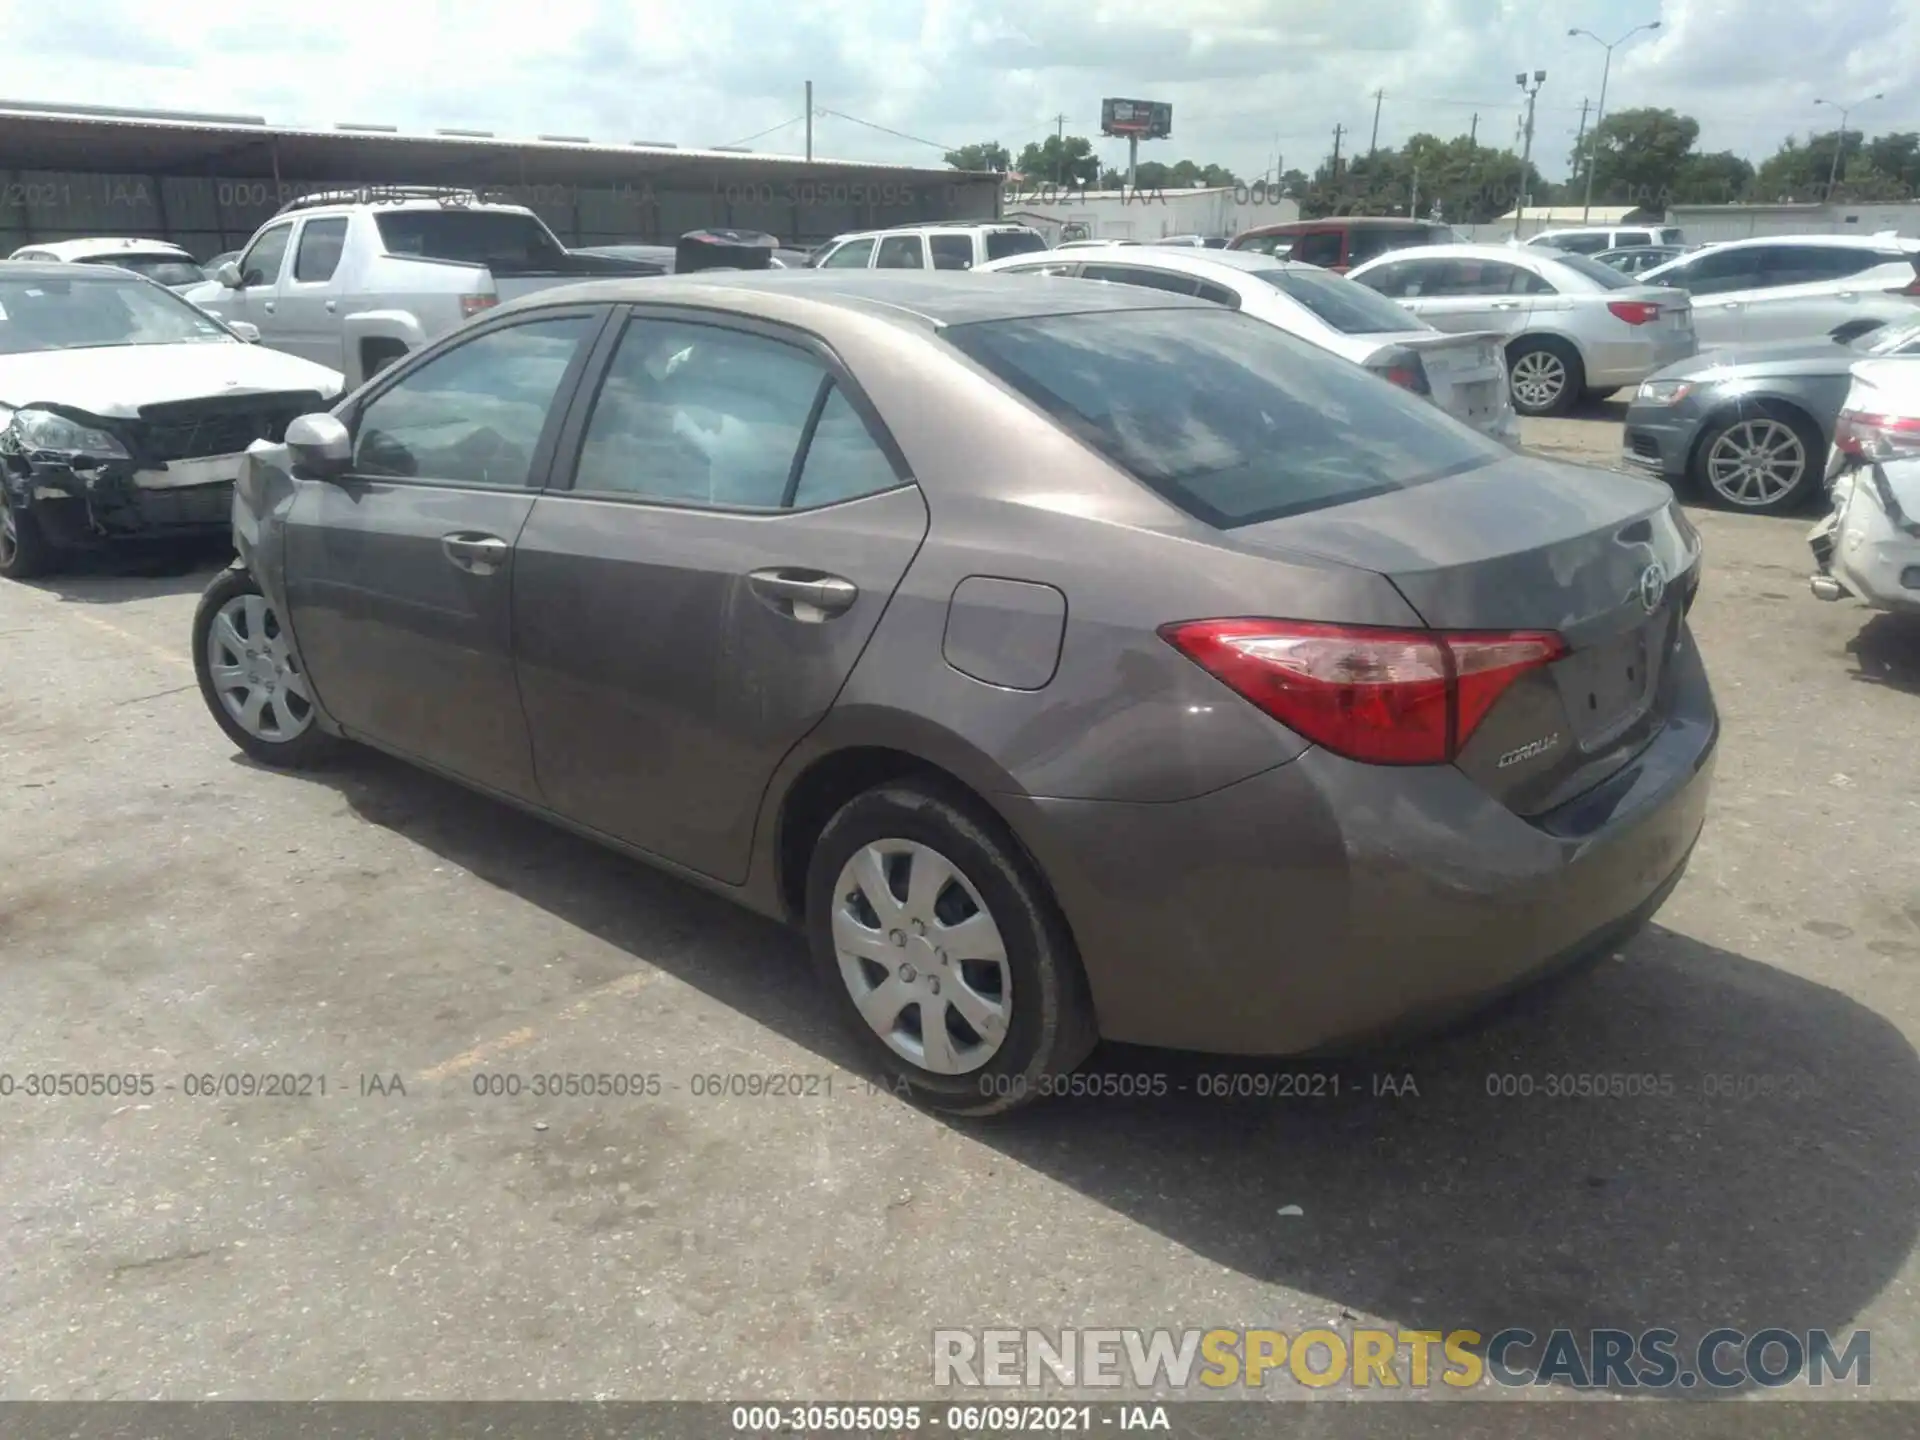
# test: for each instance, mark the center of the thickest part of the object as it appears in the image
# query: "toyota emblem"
(1653, 588)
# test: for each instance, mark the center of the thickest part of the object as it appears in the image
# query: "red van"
(1340, 242)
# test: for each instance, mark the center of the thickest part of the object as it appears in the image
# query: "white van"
(1592, 239)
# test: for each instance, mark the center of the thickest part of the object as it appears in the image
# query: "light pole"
(1840, 140)
(1526, 153)
(1601, 113)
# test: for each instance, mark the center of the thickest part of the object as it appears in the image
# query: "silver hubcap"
(254, 672)
(922, 957)
(1756, 462)
(1538, 378)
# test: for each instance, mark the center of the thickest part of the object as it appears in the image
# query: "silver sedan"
(1574, 326)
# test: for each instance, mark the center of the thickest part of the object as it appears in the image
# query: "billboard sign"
(1144, 119)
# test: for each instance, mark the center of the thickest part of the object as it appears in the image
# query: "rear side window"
(321, 242)
(1318, 247)
(501, 240)
(1366, 243)
(951, 252)
(1342, 304)
(1622, 238)
(1600, 273)
(1227, 417)
(1142, 276)
(1002, 243)
(1281, 245)
(1669, 236)
(1578, 244)
(900, 252)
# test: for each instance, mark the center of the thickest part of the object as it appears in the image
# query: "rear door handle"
(482, 554)
(805, 595)
(267, 305)
(1506, 305)
(332, 306)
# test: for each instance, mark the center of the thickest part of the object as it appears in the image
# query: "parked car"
(1751, 425)
(1574, 326)
(1091, 244)
(657, 257)
(788, 257)
(1203, 242)
(1592, 239)
(913, 609)
(958, 245)
(1340, 243)
(1868, 545)
(354, 284)
(1795, 287)
(160, 262)
(123, 412)
(1638, 259)
(1465, 375)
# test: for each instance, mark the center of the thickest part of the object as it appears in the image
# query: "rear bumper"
(1612, 364)
(1325, 902)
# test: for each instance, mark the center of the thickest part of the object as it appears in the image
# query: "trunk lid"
(1467, 372)
(1603, 559)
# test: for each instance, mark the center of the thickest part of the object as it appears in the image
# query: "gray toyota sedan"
(1066, 660)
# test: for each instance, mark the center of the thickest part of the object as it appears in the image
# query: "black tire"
(1573, 381)
(311, 747)
(25, 551)
(1813, 449)
(1051, 1027)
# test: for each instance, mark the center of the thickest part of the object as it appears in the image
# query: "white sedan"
(1465, 375)
(125, 412)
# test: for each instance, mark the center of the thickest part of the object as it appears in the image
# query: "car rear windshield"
(504, 242)
(1001, 243)
(1346, 305)
(1601, 273)
(161, 269)
(1227, 417)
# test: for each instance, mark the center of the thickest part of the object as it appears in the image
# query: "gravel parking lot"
(169, 910)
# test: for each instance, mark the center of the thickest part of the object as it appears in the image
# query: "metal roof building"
(208, 181)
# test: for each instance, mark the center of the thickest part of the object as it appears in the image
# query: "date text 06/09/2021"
(958, 1420)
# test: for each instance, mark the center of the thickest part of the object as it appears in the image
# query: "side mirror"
(319, 445)
(229, 275)
(246, 331)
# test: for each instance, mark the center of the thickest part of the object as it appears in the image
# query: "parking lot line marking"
(519, 1039)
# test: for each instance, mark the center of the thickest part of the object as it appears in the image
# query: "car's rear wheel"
(250, 677)
(25, 550)
(1766, 463)
(1545, 376)
(953, 968)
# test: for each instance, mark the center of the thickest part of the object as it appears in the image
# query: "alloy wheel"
(1538, 378)
(1756, 462)
(922, 956)
(254, 673)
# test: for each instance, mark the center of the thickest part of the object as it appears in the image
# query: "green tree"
(1897, 156)
(1637, 156)
(1470, 183)
(1058, 160)
(989, 155)
(1721, 178)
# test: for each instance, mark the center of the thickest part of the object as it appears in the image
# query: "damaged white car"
(1868, 546)
(125, 412)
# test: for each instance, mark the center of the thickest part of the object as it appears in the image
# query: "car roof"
(1190, 258)
(1352, 222)
(65, 270)
(923, 299)
(88, 248)
(1848, 242)
(1513, 254)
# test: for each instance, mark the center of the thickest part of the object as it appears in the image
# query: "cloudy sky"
(1246, 78)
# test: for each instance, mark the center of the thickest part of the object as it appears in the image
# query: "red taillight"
(1387, 697)
(472, 305)
(1635, 312)
(1867, 436)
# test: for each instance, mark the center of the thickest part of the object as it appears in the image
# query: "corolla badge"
(1653, 588)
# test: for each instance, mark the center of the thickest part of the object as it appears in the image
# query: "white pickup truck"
(354, 283)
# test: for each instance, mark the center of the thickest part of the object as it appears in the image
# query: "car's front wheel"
(250, 677)
(25, 550)
(1767, 462)
(952, 966)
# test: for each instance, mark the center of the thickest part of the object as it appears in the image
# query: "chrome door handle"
(805, 595)
(1505, 305)
(267, 305)
(332, 306)
(482, 554)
